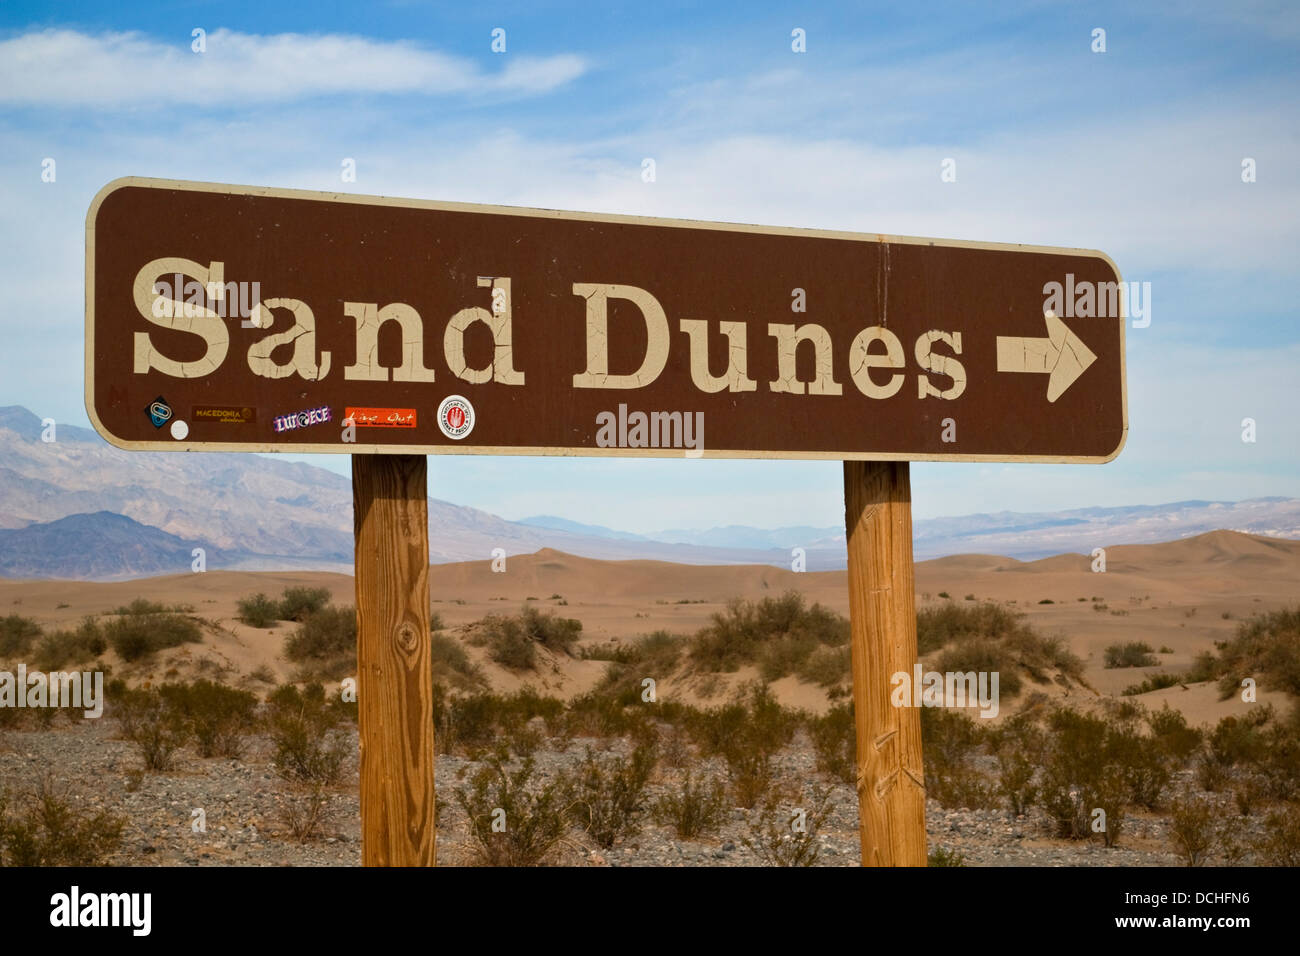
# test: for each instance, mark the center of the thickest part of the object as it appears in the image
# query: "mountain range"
(76, 507)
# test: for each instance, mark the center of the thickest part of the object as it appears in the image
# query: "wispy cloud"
(67, 68)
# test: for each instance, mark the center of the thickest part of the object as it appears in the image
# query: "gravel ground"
(244, 800)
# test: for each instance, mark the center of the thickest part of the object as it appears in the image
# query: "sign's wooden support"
(394, 676)
(882, 615)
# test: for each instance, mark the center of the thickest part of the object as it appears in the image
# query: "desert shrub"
(826, 666)
(1084, 771)
(151, 722)
(747, 629)
(258, 611)
(785, 655)
(1170, 732)
(42, 828)
(654, 655)
(141, 629)
(16, 635)
(1192, 830)
(509, 645)
(535, 818)
(1018, 746)
(557, 634)
(941, 624)
(218, 718)
(1153, 682)
(1280, 766)
(59, 649)
(325, 644)
(595, 714)
(470, 723)
(941, 856)
(989, 637)
(782, 834)
(747, 733)
(695, 809)
(1131, 654)
(611, 794)
(950, 739)
(1240, 741)
(298, 604)
(834, 739)
(1280, 845)
(982, 656)
(305, 811)
(1144, 768)
(1266, 647)
(310, 747)
(450, 659)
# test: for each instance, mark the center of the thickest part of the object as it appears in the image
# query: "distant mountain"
(102, 545)
(577, 527)
(258, 512)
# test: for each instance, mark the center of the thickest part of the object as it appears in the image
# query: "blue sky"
(1136, 151)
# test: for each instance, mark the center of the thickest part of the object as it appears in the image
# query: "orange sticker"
(380, 417)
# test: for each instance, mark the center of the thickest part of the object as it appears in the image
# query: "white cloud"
(67, 68)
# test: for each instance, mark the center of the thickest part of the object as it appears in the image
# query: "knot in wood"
(408, 637)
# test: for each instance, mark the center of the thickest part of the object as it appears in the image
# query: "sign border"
(360, 448)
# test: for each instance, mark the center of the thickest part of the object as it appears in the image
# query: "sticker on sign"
(453, 328)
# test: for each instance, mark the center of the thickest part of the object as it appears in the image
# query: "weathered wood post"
(882, 614)
(394, 679)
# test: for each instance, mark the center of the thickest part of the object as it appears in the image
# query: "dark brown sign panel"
(230, 318)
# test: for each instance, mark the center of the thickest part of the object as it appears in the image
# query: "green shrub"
(219, 718)
(950, 740)
(1018, 744)
(782, 834)
(1192, 831)
(1280, 845)
(1173, 736)
(982, 656)
(450, 659)
(1090, 765)
(44, 829)
(298, 604)
(141, 630)
(509, 644)
(834, 738)
(152, 723)
(748, 629)
(530, 820)
(16, 635)
(59, 649)
(325, 644)
(611, 794)
(693, 810)
(1266, 647)
(1131, 654)
(941, 856)
(258, 611)
(310, 747)
(827, 667)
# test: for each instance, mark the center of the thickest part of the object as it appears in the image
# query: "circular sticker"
(180, 431)
(456, 417)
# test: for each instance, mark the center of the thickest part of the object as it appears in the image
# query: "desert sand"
(1182, 595)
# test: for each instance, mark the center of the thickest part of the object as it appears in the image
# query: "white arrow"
(1062, 355)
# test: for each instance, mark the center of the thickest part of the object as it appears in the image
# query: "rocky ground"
(243, 803)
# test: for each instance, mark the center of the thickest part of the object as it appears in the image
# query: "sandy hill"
(1181, 597)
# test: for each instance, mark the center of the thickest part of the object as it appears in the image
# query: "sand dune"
(1181, 596)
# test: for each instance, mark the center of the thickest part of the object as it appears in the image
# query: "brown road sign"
(230, 318)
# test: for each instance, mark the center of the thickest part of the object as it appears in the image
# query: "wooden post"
(395, 683)
(882, 612)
